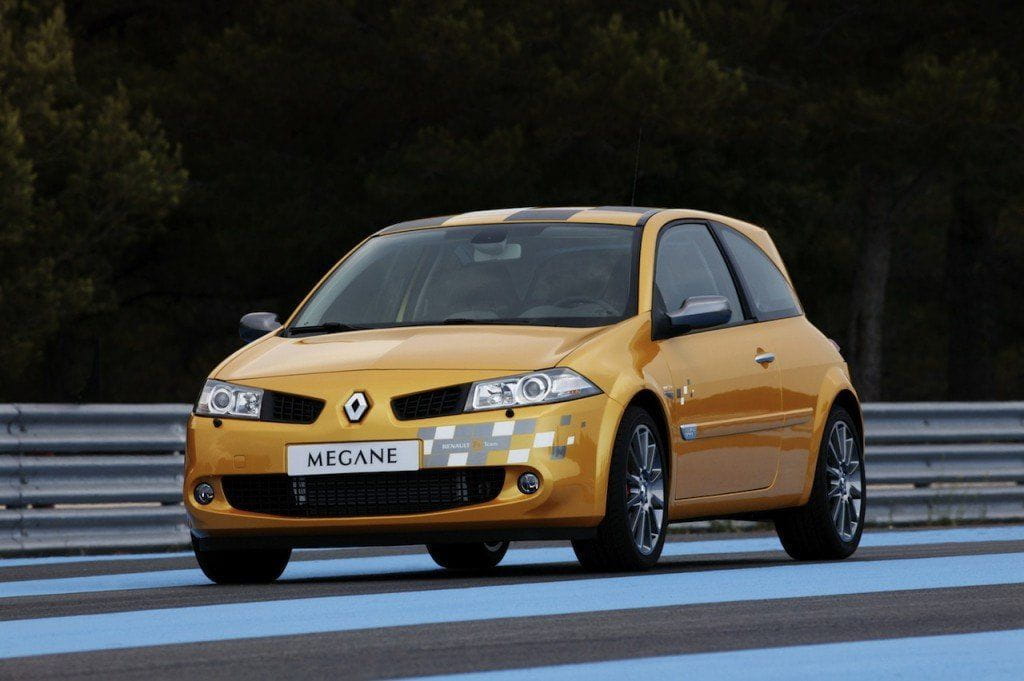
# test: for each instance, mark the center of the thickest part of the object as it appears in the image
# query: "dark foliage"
(879, 142)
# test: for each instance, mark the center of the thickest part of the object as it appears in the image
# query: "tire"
(242, 566)
(636, 494)
(838, 498)
(471, 556)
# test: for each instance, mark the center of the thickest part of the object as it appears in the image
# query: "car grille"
(285, 408)
(431, 403)
(363, 494)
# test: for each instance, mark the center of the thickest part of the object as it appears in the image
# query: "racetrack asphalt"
(943, 603)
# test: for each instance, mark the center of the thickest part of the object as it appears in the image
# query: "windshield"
(546, 274)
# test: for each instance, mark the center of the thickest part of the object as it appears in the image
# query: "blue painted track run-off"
(347, 613)
(991, 655)
(410, 563)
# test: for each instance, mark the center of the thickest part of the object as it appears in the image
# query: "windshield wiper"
(467, 320)
(326, 327)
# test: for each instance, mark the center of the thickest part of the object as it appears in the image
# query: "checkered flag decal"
(493, 443)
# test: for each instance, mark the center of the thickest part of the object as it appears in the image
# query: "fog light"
(529, 483)
(203, 493)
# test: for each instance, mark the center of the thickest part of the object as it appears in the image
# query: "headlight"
(539, 387)
(229, 400)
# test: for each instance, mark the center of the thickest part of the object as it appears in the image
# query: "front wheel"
(242, 566)
(829, 526)
(632, 533)
(471, 556)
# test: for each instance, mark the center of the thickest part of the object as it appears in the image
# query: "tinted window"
(545, 274)
(690, 264)
(768, 292)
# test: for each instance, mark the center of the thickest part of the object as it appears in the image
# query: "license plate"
(354, 457)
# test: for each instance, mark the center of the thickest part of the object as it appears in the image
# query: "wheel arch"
(836, 390)
(647, 400)
(848, 401)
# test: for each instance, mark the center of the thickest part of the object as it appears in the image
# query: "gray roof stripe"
(414, 224)
(647, 216)
(545, 214)
(625, 209)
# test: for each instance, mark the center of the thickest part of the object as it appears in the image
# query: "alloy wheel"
(842, 470)
(645, 489)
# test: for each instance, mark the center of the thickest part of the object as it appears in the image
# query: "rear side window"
(689, 264)
(768, 293)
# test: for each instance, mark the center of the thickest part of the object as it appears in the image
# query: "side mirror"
(255, 325)
(700, 312)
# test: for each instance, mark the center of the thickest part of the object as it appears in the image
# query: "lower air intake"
(363, 494)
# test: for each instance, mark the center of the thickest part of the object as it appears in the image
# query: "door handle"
(765, 358)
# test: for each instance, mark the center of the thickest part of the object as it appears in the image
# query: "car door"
(726, 398)
(795, 343)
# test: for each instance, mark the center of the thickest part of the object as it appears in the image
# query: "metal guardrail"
(92, 427)
(91, 478)
(63, 490)
(39, 531)
(943, 462)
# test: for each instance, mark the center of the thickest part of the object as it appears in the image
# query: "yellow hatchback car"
(590, 374)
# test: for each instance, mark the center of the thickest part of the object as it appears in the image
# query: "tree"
(83, 183)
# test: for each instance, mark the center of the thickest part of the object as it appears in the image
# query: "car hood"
(499, 348)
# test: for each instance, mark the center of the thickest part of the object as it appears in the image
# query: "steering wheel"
(576, 301)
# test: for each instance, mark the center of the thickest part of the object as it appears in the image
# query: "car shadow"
(539, 571)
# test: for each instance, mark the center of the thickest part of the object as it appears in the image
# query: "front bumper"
(566, 444)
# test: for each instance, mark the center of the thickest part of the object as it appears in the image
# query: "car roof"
(615, 215)
(630, 216)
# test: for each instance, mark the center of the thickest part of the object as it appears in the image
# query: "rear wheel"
(242, 566)
(632, 533)
(829, 526)
(468, 556)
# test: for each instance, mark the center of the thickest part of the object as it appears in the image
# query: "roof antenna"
(636, 167)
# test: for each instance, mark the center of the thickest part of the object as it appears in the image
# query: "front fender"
(623, 376)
